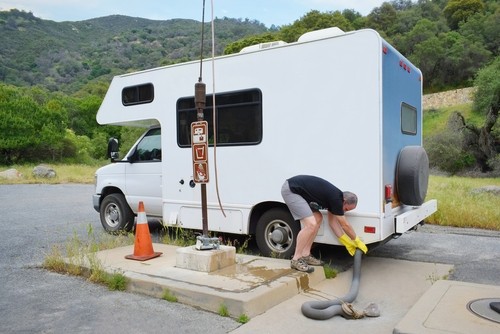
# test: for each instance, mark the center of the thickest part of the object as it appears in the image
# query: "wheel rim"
(112, 215)
(279, 236)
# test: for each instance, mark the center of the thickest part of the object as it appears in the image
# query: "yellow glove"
(360, 244)
(348, 243)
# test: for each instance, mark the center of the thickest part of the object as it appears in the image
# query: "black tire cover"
(412, 175)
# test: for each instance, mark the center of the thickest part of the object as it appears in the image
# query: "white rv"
(343, 106)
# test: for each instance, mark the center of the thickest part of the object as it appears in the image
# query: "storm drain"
(487, 308)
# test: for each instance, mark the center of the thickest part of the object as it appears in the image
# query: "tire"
(276, 233)
(412, 175)
(116, 214)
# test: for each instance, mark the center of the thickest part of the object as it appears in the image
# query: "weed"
(434, 277)
(240, 248)
(329, 272)
(116, 282)
(54, 260)
(223, 311)
(243, 319)
(244, 247)
(97, 273)
(168, 296)
(178, 236)
(80, 254)
(274, 255)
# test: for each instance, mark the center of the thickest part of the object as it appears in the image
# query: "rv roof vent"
(319, 34)
(262, 46)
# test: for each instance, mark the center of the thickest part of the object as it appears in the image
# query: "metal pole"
(204, 213)
(200, 101)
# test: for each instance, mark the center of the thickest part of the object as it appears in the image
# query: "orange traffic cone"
(143, 246)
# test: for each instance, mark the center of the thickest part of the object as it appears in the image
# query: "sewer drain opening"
(485, 308)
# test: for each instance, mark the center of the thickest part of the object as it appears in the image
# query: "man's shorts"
(298, 206)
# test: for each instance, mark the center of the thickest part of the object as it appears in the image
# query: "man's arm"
(339, 225)
(341, 228)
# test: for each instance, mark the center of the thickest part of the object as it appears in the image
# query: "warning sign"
(199, 145)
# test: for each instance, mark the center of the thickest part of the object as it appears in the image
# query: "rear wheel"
(115, 214)
(276, 233)
(412, 175)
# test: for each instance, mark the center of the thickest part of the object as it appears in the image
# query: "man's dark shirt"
(316, 189)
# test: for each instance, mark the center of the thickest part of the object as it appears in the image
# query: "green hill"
(66, 55)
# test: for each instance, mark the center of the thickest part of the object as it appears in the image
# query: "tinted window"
(138, 94)
(408, 119)
(238, 118)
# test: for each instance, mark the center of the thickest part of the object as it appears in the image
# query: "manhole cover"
(482, 308)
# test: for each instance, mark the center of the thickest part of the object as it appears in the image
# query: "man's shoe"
(312, 261)
(301, 265)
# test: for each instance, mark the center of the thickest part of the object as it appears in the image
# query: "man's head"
(350, 201)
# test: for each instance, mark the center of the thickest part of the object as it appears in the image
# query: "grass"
(64, 174)
(169, 296)
(436, 120)
(460, 206)
(79, 258)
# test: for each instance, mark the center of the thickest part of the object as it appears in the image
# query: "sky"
(269, 12)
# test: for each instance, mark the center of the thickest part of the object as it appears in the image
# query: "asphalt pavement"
(33, 219)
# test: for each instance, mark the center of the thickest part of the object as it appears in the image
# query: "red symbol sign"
(200, 172)
(199, 152)
(199, 148)
(199, 132)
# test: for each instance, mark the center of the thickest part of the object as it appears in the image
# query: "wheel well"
(109, 190)
(258, 210)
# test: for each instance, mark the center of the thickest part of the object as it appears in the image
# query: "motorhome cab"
(343, 106)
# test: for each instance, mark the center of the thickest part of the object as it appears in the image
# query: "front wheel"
(115, 214)
(276, 233)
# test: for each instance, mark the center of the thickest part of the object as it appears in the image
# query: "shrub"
(446, 153)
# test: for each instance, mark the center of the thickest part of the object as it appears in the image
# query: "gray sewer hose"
(321, 310)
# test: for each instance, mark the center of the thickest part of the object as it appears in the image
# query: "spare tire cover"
(412, 175)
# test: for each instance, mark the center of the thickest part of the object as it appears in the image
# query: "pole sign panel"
(199, 145)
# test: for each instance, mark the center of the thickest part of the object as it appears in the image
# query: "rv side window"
(149, 148)
(408, 119)
(238, 117)
(138, 94)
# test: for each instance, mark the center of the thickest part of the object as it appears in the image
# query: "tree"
(457, 11)
(248, 41)
(314, 20)
(17, 124)
(461, 60)
(383, 18)
(422, 31)
(484, 142)
(427, 56)
(448, 60)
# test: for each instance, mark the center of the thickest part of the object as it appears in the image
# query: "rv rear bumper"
(412, 217)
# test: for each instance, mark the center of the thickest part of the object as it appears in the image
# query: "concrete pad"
(443, 309)
(394, 285)
(251, 286)
(412, 296)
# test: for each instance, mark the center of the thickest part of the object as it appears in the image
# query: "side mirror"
(113, 148)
